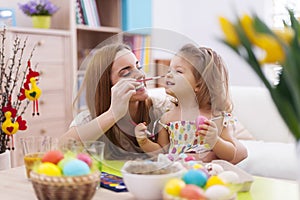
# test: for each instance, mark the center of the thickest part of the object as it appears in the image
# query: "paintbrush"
(149, 79)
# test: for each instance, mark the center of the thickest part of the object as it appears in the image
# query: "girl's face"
(180, 78)
(126, 65)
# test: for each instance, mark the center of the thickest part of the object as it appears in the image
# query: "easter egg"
(197, 166)
(218, 192)
(53, 156)
(173, 186)
(214, 169)
(214, 180)
(76, 167)
(61, 163)
(85, 158)
(195, 177)
(229, 177)
(49, 169)
(189, 158)
(192, 192)
(199, 121)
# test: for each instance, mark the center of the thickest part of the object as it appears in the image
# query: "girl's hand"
(209, 132)
(121, 93)
(140, 131)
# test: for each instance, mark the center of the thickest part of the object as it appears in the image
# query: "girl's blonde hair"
(211, 77)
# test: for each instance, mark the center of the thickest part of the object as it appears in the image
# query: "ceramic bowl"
(149, 186)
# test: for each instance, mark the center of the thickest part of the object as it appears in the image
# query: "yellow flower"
(286, 34)
(273, 50)
(228, 29)
(247, 24)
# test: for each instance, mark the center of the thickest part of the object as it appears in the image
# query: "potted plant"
(17, 88)
(40, 11)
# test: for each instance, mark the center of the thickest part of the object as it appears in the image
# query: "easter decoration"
(30, 89)
(65, 176)
(13, 77)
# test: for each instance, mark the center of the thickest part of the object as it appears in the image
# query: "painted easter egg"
(192, 192)
(53, 156)
(174, 186)
(229, 177)
(85, 158)
(195, 177)
(218, 192)
(49, 169)
(61, 163)
(76, 167)
(199, 121)
(214, 180)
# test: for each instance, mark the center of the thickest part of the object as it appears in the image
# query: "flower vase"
(5, 160)
(41, 21)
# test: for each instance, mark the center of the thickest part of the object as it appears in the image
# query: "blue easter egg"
(195, 177)
(76, 167)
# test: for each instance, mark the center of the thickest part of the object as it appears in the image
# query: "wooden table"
(15, 186)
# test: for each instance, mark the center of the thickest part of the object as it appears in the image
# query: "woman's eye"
(125, 72)
(179, 71)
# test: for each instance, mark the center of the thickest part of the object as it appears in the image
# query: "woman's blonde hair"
(211, 77)
(97, 85)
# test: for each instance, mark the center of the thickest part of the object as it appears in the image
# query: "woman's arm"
(121, 94)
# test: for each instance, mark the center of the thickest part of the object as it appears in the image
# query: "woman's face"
(126, 65)
(180, 78)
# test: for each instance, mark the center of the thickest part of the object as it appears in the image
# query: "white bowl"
(149, 186)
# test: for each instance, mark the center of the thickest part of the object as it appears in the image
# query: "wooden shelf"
(99, 29)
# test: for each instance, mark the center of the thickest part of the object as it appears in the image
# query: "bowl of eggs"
(146, 179)
(218, 180)
(65, 176)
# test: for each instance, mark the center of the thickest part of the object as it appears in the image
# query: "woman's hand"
(121, 93)
(209, 131)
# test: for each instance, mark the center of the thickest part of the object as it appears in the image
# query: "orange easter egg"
(53, 156)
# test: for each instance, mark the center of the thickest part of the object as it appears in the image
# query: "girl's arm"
(224, 146)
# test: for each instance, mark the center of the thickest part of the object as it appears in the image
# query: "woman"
(117, 100)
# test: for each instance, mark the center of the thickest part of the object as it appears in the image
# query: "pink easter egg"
(199, 121)
(85, 158)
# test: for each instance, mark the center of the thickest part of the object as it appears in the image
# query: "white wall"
(197, 20)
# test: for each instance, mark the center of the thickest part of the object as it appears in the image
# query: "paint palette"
(112, 182)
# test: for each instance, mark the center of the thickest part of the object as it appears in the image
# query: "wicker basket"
(65, 187)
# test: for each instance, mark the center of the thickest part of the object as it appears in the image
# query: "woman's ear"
(197, 89)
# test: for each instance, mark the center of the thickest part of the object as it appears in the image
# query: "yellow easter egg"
(214, 180)
(197, 166)
(49, 169)
(174, 186)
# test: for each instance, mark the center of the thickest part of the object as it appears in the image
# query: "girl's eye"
(179, 71)
(139, 67)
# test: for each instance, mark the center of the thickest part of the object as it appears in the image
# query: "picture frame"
(7, 17)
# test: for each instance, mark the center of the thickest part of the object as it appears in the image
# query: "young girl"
(198, 79)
